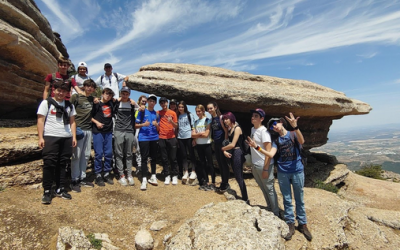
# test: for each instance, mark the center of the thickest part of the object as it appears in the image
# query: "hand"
(251, 143)
(147, 123)
(155, 123)
(265, 174)
(193, 143)
(119, 99)
(41, 143)
(227, 155)
(96, 100)
(170, 119)
(99, 125)
(133, 103)
(142, 108)
(74, 142)
(292, 120)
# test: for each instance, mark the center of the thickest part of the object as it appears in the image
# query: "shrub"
(96, 243)
(326, 186)
(371, 171)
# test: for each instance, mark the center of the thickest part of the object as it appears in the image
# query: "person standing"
(148, 122)
(81, 77)
(260, 136)
(57, 136)
(168, 142)
(290, 172)
(111, 80)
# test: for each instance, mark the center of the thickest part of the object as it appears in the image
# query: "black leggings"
(148, 148)
(222, 163)
(237, 161)
(205, 157)
(185, 146)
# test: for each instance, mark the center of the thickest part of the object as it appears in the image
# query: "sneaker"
(291, 232)
(86, 183)
(204, 187)
(185, 176)
(175, 180)
(63, 194)
(223, 188)
(109, 180)
(75, 187)
(46, 199)
(304, 230)
(100, 181)
(153, 180)
(167, 180)
(131, 182)
(123, 181)
(144, 185)
(193, 175)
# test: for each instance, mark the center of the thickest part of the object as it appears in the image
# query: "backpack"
(190, 120)
(67, 104)
(245, 146)
(102, 76)
(303, 153)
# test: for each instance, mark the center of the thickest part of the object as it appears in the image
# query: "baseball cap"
(107, 65)
(173, 101)
(126, 89)
(83, 64)
(151, 96)
(163, 99)
(258, 111)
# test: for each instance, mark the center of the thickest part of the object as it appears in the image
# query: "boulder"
(230, 225)
(144, 240)
(70, 238)
(239, 92)
(28, 52)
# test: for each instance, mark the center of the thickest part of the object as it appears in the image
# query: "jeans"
(102, 144)
(205, 157)
(80, 156)
(123, 146)
(186, 150)
(267, 186)
(222, 163)
(237, 167)
(297, 181)
(148, 148)
(56, 152)
(168, 148)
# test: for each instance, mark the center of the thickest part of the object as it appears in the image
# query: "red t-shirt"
(64, 78)
(167, 131)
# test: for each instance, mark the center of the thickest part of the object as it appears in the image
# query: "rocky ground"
(363, 215)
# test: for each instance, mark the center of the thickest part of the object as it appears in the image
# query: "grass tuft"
(371, 171)
(326, 186)
(96, 243)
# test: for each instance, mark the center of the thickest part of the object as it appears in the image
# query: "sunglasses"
(272, 125)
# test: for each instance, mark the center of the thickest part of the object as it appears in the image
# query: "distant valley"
(366, 146)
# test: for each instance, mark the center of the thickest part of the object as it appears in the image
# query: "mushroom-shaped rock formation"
(239, 92)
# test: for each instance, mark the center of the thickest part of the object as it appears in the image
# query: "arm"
(46, 90)
(204, 134)
(236, 135)
(223, 127)
(125, 80)
(293, 123)
(171, 120)
(40, 128)
(267, 161)
(98, 124)
(73, 130)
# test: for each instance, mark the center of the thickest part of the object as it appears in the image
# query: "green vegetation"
(326, 186)
(2, 188)
(371, 171)
(97, 244)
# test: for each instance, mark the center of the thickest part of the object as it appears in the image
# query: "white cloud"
(368, 55)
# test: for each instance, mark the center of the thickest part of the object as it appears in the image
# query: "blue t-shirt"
(150, 132)
(184, 129)
(217, 130)
(288, 162)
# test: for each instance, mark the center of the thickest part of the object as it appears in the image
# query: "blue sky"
(350, 46)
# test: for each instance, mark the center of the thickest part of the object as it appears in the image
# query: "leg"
(191, 154)
(129, 142)
(201, 172)
(88, 147)
(164, 156)
(77, 156)
(223, 165)
(237, 166)
(286, 190)
(98, 142)
(119, 150)
(153, 156)
(172, 146)
(50, 159)
(267, 187)
(65, 154)
(298, 186)
(144, 153)
(108, 152)
(182, 155)
(210, 165)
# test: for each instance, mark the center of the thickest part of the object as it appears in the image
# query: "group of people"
(119, 128)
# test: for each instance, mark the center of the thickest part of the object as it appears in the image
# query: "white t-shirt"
(79, 81)
(260, 136)
(110, 82)
(54, 126)
(201, 126)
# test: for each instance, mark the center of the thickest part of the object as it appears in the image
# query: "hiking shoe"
(131, 182)
(123, 181)
(185, 176)
(46, 199)
(304, 230)
(109, 180)
(63, 194)
(175, 180)
(144, 185)
(291, 232)
(86, 183)
(203, 187)
(212, 187)
(75, 187)
(167, 180)
(222, 188)
(153, 180)
(193, 175)
(100, 181)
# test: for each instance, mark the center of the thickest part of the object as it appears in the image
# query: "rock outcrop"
(28, 51)
(240, 92)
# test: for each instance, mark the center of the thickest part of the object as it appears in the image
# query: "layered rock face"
(239, 92)
(28, 51)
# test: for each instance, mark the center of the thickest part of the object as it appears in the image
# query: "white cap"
(83, 64)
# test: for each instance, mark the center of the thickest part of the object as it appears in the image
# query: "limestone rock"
(27, 53)
(144, 240)
(158, 225)
(230, 225)
(70, 238)
(21, 174)
(240, 92)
